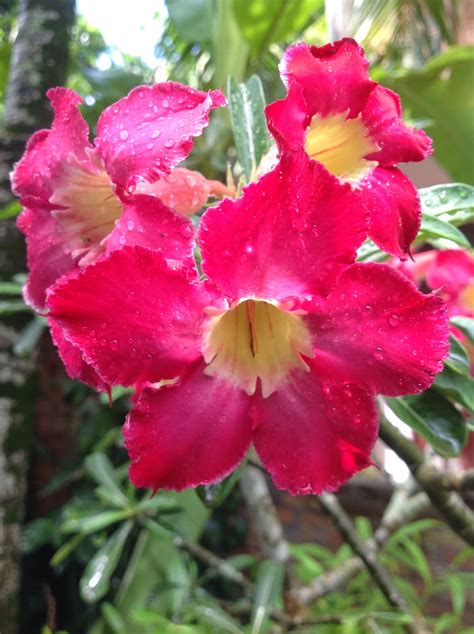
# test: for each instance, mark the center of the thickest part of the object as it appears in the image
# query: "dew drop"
(378, 354)
(155, 134)
(130, 225)
(393, 321)
(169, 143)
(186, 230)
(124, 135)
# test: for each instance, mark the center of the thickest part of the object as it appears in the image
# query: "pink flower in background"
(285, 344)
(354, 127)
(185, 191)
(80, 199)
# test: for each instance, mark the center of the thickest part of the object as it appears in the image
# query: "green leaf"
(457, 588)
(192, 19)
(11, 210)
(441, 93)
(453, 202)
(247, 104)
(99, 467)
(465, 325)
(94, 523)
(268, 586)
(457, 387)
(30, 336)
(263, 22)
(229, 49)
(113, 618)
(458, 359)
(434, 418)
(12, 307)
(37, 533)
(432, 227)
(95, 581)
(218, 620)
(66, 549)
(10, 288)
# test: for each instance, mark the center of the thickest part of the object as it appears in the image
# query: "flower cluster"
(280, 338)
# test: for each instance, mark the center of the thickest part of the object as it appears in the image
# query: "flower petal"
(147, 222)
(291, 233)
(74, 362)
(47, 150)
(288, 118)
(144, 135)
(453, 269)
(47, 258)
(185, 191)
(398, 142)
(134, 318)
(334, 77)
(191, 433)
(395, 211)
(315, 432)
(380, 332)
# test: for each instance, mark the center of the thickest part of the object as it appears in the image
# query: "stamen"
(256, 340)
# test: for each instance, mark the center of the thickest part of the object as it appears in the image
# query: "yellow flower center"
(467, 297)
(91, 208)
(340, 144)
(256, 340)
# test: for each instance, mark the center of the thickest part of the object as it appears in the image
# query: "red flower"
(78, 197)
(353, 126)
(266, 349)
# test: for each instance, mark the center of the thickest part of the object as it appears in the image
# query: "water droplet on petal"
(124, 135)
(393, 321)
(155, 134)
(378, 354)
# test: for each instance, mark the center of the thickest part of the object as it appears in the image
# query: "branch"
(221, 566)
(369, 557)
(399, 511)
(436, 484)
(263, 513)
(463, 481)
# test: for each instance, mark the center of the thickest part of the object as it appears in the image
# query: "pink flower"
(284, 344)
(450, 272)
(185, 191)
(79, 198)
(353, 126)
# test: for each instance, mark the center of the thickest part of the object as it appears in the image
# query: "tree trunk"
(39, 61)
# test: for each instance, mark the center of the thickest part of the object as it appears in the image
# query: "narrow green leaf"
(66, 549)
(457, 588)
(458, 359)
(29, 336)
(214, 617)
(268, 586)
(247, 104)
(457, 387)
(86, 525)
(95, 581)
(453, 202)
(12, 307)
(434, 418)
(465, 325)
(10, 288)
(432, 227)
(99, 467)
(113, 618)
(11, 210)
